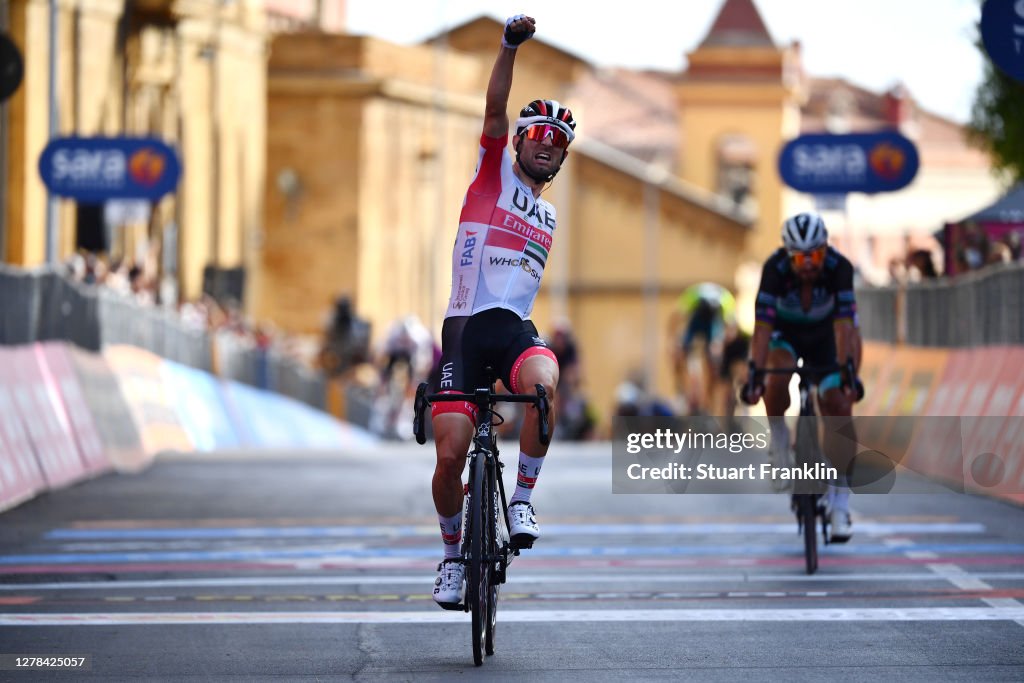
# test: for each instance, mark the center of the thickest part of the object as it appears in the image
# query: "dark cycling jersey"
(779, 299)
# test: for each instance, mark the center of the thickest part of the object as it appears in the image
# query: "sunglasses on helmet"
(814, 257)
(541, 131)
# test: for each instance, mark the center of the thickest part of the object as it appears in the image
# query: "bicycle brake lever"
(543, 408)
(419, 406)
(748, 388)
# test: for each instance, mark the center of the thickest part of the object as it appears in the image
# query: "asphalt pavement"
(319, 566)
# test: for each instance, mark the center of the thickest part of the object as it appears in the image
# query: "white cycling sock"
(451, 535)
(779, 446)
(839, 496)
(529, 468)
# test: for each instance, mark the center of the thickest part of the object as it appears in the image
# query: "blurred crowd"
(976, 249)
(122, 276)
(384, 377)
(137, 281)
(971, 249)
(917, 266)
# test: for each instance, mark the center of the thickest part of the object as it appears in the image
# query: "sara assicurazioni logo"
(97, 169)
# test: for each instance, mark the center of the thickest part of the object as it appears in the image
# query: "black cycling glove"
(515, 36)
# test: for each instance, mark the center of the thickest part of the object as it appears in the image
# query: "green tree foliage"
(997, 119)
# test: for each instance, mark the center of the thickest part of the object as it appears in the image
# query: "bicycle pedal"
(521, 542)
(838, 539)
(454, 606)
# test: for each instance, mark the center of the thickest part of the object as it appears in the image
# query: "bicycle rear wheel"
(477, 589)
(806, 510)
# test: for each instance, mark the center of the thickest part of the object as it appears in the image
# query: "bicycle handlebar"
(484, 399)
(846, 370)
(802, 371)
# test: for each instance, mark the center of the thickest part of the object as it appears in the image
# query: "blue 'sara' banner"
(95, 169)
(822, 164)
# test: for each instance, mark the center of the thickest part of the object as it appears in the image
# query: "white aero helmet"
(803, 232)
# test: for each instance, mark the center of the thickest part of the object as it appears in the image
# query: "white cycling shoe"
(840, 528)
(784, 458)
(522, 524)
(450, 584)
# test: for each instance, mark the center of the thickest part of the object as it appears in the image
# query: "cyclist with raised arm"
(505, 233)
(806, 310)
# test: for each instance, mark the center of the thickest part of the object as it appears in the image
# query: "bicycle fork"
(819, 512)
(500, 511)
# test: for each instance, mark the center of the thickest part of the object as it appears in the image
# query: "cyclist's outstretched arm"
(846, 344)
(518, 29)
(858, 346)
(759, 345)
(764, 325)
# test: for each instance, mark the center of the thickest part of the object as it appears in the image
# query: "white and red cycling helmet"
(550, 112)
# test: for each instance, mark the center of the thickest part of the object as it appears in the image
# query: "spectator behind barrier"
(920, 266)
(632, 399)
(347, 342)
(576, 419)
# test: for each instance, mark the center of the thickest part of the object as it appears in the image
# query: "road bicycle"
(809, 507)
(487, 550)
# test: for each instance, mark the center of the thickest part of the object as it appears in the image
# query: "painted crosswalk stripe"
(514, 579)
(347, 552)
(409, 530)
(524, 616)
(965, 581)
(790, 560)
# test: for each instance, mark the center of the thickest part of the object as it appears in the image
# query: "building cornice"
(349, 84)
(645, 172)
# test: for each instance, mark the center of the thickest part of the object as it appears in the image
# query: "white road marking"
(958, 577)
(964, 581)
(123, 538)
(523, 616)
(513, 580)
(922, 555)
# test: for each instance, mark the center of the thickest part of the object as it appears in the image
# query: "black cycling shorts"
(496, 338)
(816, 344)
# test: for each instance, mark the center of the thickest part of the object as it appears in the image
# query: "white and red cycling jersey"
(503, 240)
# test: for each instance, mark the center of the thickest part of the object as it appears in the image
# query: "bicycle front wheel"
(806, 507)
(497, 549)
(477, 588)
